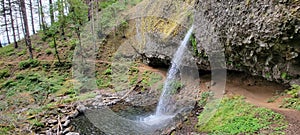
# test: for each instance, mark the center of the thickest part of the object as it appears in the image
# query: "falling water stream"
(162, 110)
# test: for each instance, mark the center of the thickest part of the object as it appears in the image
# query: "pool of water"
(94, 121)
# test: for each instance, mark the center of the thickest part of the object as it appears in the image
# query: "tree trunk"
(55, 49)
(22, 24)
(17, 26)
(0, 44)
(51, 11)
(31, 15)
(89, 3)
(5, 21)
(61, 18)
(39, 13)
(42, 16)
(27, 36)
(12, 24)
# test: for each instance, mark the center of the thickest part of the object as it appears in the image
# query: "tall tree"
(51, 11)
(31, 15)
(42, 15)
(5, 21)
(78, 15)
(22, 24)
(52, 32)
(61, 17)
(39, 13)
(89, 3)
(12, 24)
(17, 26)
(27, 36)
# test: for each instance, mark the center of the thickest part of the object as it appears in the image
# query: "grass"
(4, 73)
(235, 116)
(32, 81)
(7, 50)
(30, 63)
(150, 78)
(292, 102)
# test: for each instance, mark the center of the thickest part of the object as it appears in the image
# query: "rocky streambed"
(77, 118)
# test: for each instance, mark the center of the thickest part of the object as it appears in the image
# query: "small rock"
(66, 123)
(2, 97)
(74, 114)
(52, 121)
(49, 133)
(62, 110)
(81, 108)
(64, 119)
(67, 130)
(72, 133)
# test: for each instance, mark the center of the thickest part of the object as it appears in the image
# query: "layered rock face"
(258, 37)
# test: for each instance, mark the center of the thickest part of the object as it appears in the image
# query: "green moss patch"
(235, 116)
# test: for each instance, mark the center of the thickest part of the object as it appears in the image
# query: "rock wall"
(258, 37)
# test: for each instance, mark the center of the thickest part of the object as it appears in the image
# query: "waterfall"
(163, 113)
(162, 107)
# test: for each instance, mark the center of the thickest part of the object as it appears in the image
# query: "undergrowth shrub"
(293, 101)
(4, 73)
(29, 63)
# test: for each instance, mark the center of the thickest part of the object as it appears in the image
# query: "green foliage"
(150, 78)
(235, 116)
(48, 51)
(293, 101)
(5, 129)
(34, 81)
(133, 75)
(133, 2)
(204, 97)
(284, 75)
(78, 14)
(7, 50)
(194, 44)
(107, 3)
(31, 63)
(103, 82)
(73, 43)
(36, 123)
(23, 52)
(4, 73)
(108, 71)
(294, 91)
(175, 86)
